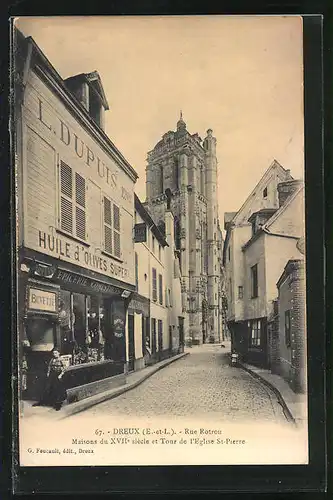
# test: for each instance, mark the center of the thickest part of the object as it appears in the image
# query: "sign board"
(140, 232)
(40, 300)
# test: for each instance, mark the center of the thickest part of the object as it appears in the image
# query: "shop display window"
(65, 319)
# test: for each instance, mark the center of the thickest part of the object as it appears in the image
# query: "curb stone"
(86, 403)
(286, 411)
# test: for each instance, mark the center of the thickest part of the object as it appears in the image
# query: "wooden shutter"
(107, 225)
(116, 231)
(136, 270)
(154, 284)
(160, 286)
(80, 209)
(66, 198)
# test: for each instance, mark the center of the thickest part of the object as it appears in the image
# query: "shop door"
(143, 332)
(160, 338)
(181, 333)
(42, 337)
(153, 336)
(131, 347)
(170, 339)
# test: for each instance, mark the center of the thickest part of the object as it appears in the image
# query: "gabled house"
(155, 315)
(261, 238)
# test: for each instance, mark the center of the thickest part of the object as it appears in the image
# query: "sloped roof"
(228, 216)
(274, 165)
(283, 207)
(142, 211)
(271, 220)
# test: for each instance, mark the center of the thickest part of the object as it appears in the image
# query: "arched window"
(177, 233)
(176, 173)
(161, 180)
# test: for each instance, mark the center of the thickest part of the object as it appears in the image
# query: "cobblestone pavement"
(201, 385)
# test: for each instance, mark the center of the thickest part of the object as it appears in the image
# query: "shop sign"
(118, 327)
(87, 283)
(140, 305)
(40, 300)
(67, 250)
(140, 233)
(44, 270)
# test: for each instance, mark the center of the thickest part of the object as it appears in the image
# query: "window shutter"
(160, 286)
(66, 194)
(66, 177)
(107, 226)
(154, 284)
(107, 211)
(116, 230)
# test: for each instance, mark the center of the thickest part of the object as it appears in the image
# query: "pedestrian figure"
(54, 393)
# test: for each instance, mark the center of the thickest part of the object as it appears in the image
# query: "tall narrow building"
(181, 175)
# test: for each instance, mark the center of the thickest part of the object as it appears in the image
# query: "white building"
(261, 237)
(155, 316)
(75, 218)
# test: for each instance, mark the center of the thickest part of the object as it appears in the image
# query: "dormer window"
(95, 107)
(88, 90)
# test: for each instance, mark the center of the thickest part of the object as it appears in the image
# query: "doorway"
(181, 333)
(131, 345)
(170, 339)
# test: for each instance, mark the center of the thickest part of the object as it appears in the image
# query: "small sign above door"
(140, 232)
(40, 300)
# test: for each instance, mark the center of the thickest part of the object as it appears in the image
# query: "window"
(136, 271)
(230, 287)
(153, 244)
(159, 252)
(95, 107)
(176, 173)
(72, 202)
(229, 254)
(264, 193)
(254, 281)
(169, 297)
(287, 328)
(177, 233)
(255, 333)
(240, 292)
(161, 180)
(154, 284)
(160, 334)
(160, 288)
(111, 228)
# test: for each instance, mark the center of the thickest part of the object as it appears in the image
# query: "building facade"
(261, 237)
(290, 345)
(75, 217)
(158, 327)
(181, 175)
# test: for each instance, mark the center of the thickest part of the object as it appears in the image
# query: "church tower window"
(161, 180)
(177, 173)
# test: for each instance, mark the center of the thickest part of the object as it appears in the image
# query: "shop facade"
(159, 312)
(75, 209)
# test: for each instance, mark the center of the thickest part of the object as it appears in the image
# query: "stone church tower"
(181, 174)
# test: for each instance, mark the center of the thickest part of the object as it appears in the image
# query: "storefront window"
(66, 334)
(86, 328)
(80, 329)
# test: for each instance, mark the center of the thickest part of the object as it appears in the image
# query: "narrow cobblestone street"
(201, 385)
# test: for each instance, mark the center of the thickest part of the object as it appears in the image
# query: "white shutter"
(66, 198)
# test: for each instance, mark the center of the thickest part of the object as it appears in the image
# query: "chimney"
(286, 189)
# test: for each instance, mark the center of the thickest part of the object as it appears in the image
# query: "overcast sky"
(240, 76)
